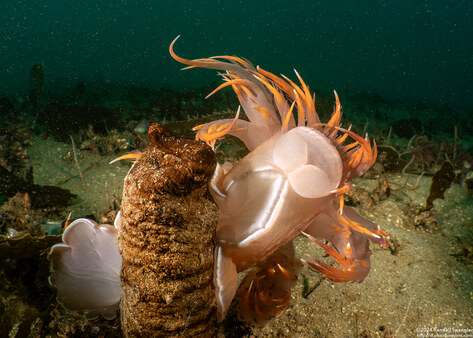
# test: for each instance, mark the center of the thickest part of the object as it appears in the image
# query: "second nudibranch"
(292, 182)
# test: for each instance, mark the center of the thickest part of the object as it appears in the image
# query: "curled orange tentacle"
(129, 156)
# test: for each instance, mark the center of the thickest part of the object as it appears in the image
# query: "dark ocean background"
(407, 50)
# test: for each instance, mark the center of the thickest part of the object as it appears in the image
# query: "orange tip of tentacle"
(215, 131)
(364, 143)
(337, 99)
(348, 223)
(286, 274)
(285, 123)
(346, 188)
(293, 84)
(264, 112)
(375, 153)
(336, 116)
(129, 156)
(309, 100)
(341, 139)
(280, 83)
(339, 258)
(367, 153)
(300, 110)
(188, 67)
(348, 147)
(343, 189)
(326, 270)
(277, 95)
(191, 63)
(355, 158)
(198, 127)
(280, 312)
(245, 300)
(236, 81)
(174, 55)
(304, 86)
(67, 220)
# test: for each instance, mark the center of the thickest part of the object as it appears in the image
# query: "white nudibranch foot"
(85, 269)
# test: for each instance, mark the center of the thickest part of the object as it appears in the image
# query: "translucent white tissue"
(85, 269)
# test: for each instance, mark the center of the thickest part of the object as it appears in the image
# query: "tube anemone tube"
(166, 239)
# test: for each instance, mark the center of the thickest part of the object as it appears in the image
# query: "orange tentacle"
(215, 130)
(129, 156)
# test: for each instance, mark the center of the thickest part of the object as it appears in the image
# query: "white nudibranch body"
(291, 183)
(85, 269)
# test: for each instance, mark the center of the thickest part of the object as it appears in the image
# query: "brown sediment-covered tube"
(167, 238)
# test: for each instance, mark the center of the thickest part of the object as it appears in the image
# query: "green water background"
(405, 50)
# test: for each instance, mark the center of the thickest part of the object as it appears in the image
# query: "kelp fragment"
(25, 245)
(441, 181)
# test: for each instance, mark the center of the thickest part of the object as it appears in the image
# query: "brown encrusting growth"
(167, 238)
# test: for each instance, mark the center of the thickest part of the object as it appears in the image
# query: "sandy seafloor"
(423, 288)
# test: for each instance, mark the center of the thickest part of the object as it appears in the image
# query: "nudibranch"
(291, 183)
(86, 268)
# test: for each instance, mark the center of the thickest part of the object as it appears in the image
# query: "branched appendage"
(211, 133)
(340, 192)
(353, 261)
(357, 157)
(348, 235)
(377, 236)
(265, 294)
